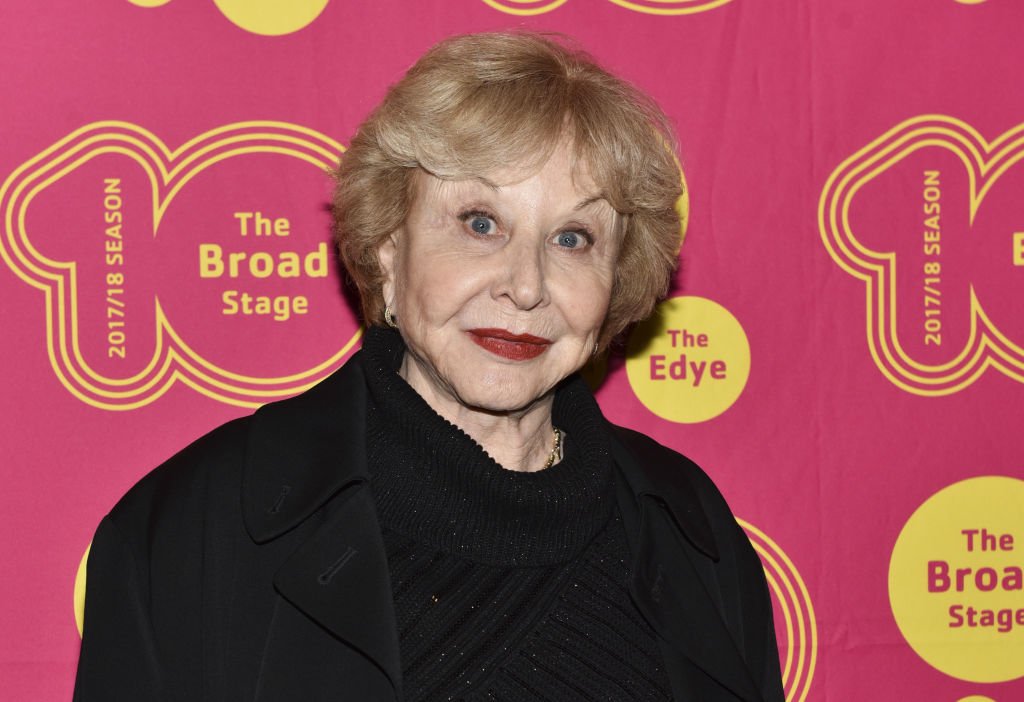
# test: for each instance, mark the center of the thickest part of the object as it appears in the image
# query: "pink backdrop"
(854, 209)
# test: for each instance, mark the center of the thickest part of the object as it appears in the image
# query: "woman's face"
(501, 284)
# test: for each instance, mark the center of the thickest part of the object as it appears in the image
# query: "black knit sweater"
(507, 585)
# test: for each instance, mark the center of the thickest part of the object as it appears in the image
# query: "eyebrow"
(586, 202)
(490, 184)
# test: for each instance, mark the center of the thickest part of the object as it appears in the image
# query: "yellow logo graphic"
(650, 7)
(689, 362)
(525, 7)
(955, 580)
(794, 603)
(267, 17)
(904, 216)
(79, 590)
(111, 284)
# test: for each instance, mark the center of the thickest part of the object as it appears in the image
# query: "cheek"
(586, 300)
(592, 318)
(434, 288)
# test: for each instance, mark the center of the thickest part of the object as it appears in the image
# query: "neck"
(520, 441)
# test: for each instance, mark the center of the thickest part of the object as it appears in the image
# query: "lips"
(514, 347)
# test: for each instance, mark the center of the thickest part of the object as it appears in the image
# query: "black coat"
(251, 566)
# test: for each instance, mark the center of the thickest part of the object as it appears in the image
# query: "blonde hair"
(477, 102)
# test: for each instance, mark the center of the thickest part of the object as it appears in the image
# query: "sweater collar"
(432, 482)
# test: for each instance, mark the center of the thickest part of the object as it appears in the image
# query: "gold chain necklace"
(556, 450)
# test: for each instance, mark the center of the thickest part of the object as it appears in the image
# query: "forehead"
(561, 167)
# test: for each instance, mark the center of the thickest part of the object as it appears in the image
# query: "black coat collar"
(642, 463)
(303, 451)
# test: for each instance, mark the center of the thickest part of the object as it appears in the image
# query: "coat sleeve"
(762, 648)
(118, 660)
(742, 578)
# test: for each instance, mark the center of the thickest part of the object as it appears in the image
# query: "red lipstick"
(515, 347)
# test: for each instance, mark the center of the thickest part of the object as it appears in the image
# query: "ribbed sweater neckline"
(433, 483)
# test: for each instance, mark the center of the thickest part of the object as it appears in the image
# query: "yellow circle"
(683, 7)
(798, 618)
(682, 206)
(79, 597)
(149, 3)
(955, 580)
(689, 362)
(271, 17)
(512, 8)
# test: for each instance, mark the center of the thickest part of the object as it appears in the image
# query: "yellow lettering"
(211, 264)
(233, 260)
(262, 225)
(289, 267)
(243, 222)
(230, 303)
(261, 265)
(316, 262)
(279, 308)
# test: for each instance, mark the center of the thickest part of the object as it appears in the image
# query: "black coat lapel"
(306, 479)
(339, 579)
(303, 661)
(674, 587)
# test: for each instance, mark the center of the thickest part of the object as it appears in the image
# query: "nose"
(521, 278)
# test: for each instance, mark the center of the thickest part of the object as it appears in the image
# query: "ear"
(387, 257)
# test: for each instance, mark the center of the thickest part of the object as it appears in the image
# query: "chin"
(503, 391)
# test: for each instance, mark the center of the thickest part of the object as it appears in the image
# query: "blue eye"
(571, 240)
(481, 224)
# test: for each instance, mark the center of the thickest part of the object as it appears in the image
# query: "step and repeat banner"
(842, 349)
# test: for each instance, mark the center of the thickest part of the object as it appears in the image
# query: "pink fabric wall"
(854, 262)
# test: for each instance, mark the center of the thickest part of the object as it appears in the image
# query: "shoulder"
(229, 482)
(177, 494)
(663, 467)
(726, 563)
(693, 499)
(193, 469)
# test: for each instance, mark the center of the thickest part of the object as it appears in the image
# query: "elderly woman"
(449, 516)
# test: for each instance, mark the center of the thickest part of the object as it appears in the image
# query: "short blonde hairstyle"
(478, 102)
